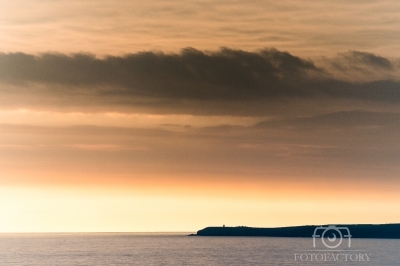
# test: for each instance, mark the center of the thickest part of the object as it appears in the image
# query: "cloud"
(368, 59)
(308, 27)
(359, 144)
(342, 119)
(192, 74)
(355, 66)
(193, 81)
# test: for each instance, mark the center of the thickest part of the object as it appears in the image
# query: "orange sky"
(307, 28)
(109, 122)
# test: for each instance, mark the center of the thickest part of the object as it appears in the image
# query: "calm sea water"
(173, 249)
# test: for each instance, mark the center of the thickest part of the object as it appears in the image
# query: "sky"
(166, 116)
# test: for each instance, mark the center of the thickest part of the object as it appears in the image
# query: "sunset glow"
(143, 116)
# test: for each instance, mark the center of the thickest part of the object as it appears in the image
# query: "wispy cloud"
(308, 27)
(360, 144)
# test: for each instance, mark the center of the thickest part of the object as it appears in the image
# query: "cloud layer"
(359, 145)
(222, 82)
(307, 28)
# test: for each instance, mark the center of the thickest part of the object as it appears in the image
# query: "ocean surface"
(179, 249)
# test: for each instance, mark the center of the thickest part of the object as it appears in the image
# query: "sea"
(109, 249)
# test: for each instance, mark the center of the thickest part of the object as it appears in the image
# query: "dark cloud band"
(223, 78)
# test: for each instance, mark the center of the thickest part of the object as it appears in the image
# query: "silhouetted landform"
(356, 230)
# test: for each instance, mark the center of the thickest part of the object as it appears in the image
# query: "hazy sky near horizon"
(172, 116)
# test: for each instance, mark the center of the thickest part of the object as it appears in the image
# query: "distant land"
(389, 231)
